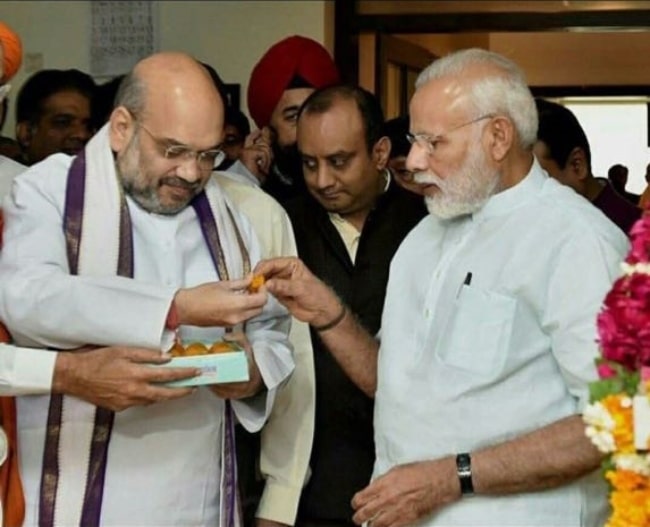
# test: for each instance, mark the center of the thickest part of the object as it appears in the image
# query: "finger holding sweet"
(303, 294)
(284, 267)
(221, 304)
(257, 282)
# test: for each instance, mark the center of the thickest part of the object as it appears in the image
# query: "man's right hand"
(312, 301)
(222, 304)
(299, 290)
(117, 377)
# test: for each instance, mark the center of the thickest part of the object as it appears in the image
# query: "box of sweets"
(220, 362)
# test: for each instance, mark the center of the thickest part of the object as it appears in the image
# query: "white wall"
(230, 35)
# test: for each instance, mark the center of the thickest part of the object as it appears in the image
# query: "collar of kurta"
(513, 197)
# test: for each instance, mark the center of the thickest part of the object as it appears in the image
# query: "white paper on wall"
(121, 34)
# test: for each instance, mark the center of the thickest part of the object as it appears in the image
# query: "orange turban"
(292, 57)
(12, 52)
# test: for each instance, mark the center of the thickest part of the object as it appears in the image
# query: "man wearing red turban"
(280, 82)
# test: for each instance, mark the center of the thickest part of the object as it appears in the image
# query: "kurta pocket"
(477, 334)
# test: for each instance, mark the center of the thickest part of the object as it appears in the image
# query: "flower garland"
(624, 372)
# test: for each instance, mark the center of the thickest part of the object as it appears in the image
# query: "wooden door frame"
(390, 49)
(348, 24)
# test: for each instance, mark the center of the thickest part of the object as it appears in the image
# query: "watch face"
(463, 462)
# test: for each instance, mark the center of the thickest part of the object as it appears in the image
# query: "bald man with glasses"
(132, 242)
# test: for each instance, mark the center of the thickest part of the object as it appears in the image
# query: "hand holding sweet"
(222, 304)
(303, 294)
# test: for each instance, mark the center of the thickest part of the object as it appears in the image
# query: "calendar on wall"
(122, 33)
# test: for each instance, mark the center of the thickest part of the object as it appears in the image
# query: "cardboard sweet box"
(220, 362)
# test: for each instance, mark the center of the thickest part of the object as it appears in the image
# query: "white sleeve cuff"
(25, 371)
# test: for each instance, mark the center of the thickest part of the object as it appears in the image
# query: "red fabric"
(12, 52)
(11, 489)
(292, 56)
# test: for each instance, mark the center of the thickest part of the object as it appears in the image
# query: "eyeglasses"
(207, 160)
(430, 142)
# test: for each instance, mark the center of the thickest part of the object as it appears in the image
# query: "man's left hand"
(407, 493)
(241, 390)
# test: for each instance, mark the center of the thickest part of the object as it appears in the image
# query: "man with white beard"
(488, 334)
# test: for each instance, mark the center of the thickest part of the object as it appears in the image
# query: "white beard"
(464, 191)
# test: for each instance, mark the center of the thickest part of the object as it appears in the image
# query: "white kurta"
(9, 169)
(463, 367)
(238, 172)
(163, 460)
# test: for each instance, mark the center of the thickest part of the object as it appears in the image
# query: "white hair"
(503, 92)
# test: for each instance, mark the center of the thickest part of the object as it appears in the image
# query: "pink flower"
(605, 371)
(640, 240)
(624, 323)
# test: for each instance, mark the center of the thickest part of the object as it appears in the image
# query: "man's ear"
(577, 163)
(501, 132)
(24, 133)
(380, 152)
(121, 128)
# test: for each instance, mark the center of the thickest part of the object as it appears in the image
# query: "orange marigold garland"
(621, 394)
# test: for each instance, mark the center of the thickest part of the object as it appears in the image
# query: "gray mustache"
(174, 181)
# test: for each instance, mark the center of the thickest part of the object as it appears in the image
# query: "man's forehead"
(341, 118)
(67, 100)
(330, 132)
(439, 100)
(293, 97)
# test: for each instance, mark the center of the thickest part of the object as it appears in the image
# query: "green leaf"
(600, 389)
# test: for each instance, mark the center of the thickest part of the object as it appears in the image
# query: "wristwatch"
(464, 471)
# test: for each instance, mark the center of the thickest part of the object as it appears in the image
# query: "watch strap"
(464, 471)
